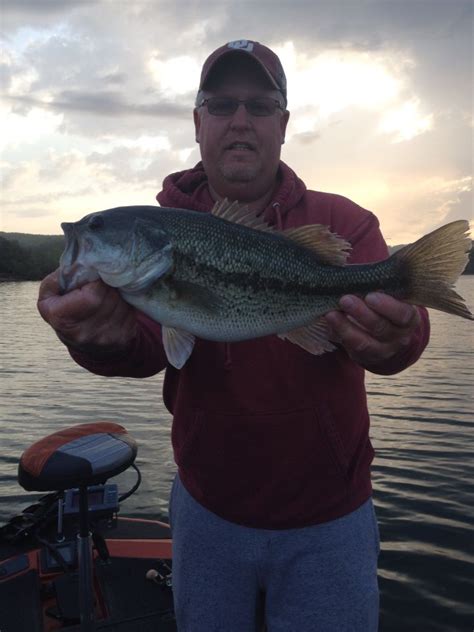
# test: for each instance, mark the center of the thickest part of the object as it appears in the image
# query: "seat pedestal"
(80, 456)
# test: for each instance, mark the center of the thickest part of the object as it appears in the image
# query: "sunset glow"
(97, 105)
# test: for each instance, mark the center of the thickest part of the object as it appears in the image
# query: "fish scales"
(238, 265)
(244, 257)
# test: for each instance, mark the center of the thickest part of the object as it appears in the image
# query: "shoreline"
(5, 278)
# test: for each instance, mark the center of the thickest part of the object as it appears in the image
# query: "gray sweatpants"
(227, 578)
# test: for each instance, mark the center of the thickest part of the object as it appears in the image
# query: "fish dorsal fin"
(239, 214)
(329, 247)
(313, 337)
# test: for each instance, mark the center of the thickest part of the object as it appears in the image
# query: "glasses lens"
(226, 106)
(261, 107)
(222, 106)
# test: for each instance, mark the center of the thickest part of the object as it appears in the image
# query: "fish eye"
(96, 222)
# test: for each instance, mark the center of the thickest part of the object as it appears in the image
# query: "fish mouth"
(73, 277)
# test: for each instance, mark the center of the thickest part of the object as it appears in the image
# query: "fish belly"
(233, 318)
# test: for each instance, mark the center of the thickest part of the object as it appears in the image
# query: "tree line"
(25, 257)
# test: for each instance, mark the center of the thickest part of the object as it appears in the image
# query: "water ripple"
(422, 430)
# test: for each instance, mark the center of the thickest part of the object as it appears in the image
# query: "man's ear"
(197, 123)
(283, 123)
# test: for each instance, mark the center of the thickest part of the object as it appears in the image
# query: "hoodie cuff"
(143, 358)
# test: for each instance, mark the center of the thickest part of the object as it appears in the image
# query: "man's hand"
(94, 317)
(375, 329)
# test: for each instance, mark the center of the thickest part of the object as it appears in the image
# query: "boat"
(70, 561)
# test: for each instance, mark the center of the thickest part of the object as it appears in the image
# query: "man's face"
(241, 152)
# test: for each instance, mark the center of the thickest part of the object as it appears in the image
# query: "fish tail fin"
(433, 264)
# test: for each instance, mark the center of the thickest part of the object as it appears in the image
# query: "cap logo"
(241, 45)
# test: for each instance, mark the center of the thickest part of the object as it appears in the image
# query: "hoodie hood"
(189, 189)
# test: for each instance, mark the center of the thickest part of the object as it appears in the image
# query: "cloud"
(115, 78)
(175, 76)
(337, 78)
(24, 217)
(67, 185)
(105, 103)
(26, 127)
(99, 100)
(418, 206)
(306, 138)
(16, 12)
(30, 8)
(405, 122)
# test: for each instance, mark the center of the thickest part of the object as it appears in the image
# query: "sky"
(98, 97)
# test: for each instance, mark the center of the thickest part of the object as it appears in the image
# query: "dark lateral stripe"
(332, 281)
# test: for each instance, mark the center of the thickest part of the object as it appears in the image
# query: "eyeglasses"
(226, 106)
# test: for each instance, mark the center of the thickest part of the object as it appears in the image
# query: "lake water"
(422, 431)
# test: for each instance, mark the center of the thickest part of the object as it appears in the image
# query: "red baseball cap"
(266, 59)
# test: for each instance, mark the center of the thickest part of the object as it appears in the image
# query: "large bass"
(227, 276)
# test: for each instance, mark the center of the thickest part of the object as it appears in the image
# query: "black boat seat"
(82, 455)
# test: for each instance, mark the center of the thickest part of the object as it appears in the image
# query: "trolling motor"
(79, 457)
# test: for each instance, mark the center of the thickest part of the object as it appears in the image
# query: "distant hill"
(25, 257)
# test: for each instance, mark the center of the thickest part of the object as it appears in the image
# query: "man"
(272, 502)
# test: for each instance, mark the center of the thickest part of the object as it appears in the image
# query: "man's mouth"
(240, 146)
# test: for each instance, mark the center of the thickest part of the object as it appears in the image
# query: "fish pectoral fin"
(178, 345)
(313, 337)
(239, 214)
(327, 246)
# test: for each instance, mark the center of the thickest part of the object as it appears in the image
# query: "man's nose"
(240, 118)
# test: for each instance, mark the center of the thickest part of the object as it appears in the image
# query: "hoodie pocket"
(275, 461)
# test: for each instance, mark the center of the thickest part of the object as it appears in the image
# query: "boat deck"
(36, 598)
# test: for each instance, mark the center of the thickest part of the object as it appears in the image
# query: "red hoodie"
(264, 433)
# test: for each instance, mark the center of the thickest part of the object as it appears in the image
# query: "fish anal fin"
(313, 338)
(178, 345)
(239, 214)
(327, 246)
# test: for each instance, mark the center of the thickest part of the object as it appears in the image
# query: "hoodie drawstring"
(227, 357)
(277, 209)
